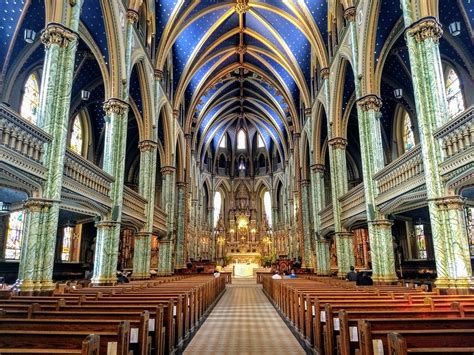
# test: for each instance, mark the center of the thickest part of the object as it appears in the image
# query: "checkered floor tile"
(244, 322)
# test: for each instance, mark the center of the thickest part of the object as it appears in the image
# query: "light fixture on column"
(29, 36)
(4, 207)
(85, 95)
(398, 93)
(455, 28)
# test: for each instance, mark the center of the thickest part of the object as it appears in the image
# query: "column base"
(36, 288)
(99, 281)
(141, 276)
(463, 285)
(385, 279)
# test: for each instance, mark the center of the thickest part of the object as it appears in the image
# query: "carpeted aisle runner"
(244, 322)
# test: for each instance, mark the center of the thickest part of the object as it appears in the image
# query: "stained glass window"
(421, 241)
(453, 93)
(77, 138)
(30, 101)
(267, 204)
(241, 137)
(260, 143)
(408, 136)
(470, 227)
(14, 235)
(222, 144)
(217, 207)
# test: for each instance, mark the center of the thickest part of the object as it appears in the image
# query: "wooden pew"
(90, 346)
(111, 342)
(447, 342)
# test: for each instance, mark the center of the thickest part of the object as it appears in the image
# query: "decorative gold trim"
(158, 74)
(116, 106)
(338, 143)
(382, 223)
(241, 49)
(350, 14)
(370, 103)
(147, 145)
(242, 6)
(324, 73)
(38, 204)
(425, 28)
(167, 170)
(132, 16)
(449, 203)
(56, 33)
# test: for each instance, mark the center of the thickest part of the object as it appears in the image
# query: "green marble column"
(307, 228)
(142, 240)
(180, 228)
(449, 235)
(108, 229)
(166, 265)
(380, 232)
(323, 262)
(165, 262)
(40, 233)
(337, 157)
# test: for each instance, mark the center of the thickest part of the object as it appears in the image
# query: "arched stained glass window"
(222, 143)
(454, 93)
(267, 204)
(241, 140)
(408, 136)
(77, 135)
(14, 235)
(217, 207)
(30, 100)
(260, 143)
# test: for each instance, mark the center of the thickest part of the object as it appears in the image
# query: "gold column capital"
(338, 143)
(158, 74)
(132, 16)
(449, 203)
(116, 106)
(318, 168)
(147, 145)
(350, 14)
(324, 73)
(38, 204)
(167, 170)
(55, 33)
(427, 27)
(370, 102)
(242, 6)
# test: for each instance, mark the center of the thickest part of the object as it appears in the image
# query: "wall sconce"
(85, 95)
(455, 28)
(398, 93)
(29, 36)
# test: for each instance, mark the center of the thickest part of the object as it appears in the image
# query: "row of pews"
(337, 317)
(142, 317)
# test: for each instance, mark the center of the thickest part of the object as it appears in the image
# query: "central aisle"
(244, 322)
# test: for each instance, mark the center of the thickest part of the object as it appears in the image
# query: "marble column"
(40, 232)
(108, 230)
(165, 262)
(307, 228)
(380, 232)
(298, 200)
(323, 262)
(142, 240)
(450, 240)
(344, 244)
(180, 227)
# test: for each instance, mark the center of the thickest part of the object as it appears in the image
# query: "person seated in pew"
(122, 277)
(276, 276)
(364, 280)
(217, 274)
(292, 275)
(351, 275)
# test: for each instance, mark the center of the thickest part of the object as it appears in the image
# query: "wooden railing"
(159, 219)
(327, 217)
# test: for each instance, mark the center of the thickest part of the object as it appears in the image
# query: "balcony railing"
(133, 204)
(159, 219)
(353, 202)
(327, 217)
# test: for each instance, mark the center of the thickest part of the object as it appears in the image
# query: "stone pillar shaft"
(306, 212)
(166, 244)
(450, 240)
(38, 246)
(180, 226)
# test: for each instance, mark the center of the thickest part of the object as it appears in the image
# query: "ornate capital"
(167, 170)
(425, 28)
(296, 135)
(188, 136)
(324, 73)
(38, 204)
(147, 145)
(350, 14)
(107, 224)
(307, 112)
(318, 168)
(242, 6)
(132, 16)
(116, 106)
(370, 102)
(381, 223)
(241, 49)
(338, 143)
(176, 114)
(305, 183)
(56, 33)
(449, 203)
(181, 184)
(158, 74)
(347, 235)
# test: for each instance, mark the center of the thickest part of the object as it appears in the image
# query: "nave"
(244, 322)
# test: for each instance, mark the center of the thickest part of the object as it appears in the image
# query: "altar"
(244, 264)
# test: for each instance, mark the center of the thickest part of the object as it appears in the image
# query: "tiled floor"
(244, 322)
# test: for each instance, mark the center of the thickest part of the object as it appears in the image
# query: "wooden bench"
(448, 342)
